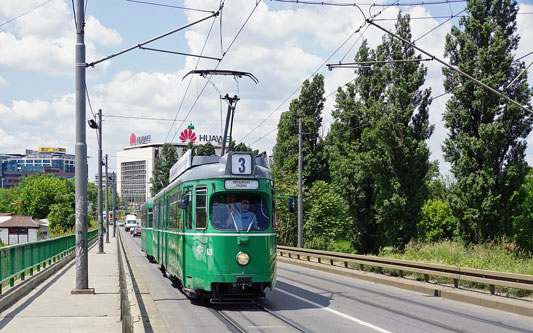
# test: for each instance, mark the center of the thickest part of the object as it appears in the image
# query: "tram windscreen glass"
(244, 212)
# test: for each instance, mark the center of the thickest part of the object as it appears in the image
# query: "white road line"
(360, 322)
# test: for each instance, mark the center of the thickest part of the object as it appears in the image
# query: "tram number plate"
(241, 184)
(241, 164)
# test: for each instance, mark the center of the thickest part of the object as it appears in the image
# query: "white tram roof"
(205, 167)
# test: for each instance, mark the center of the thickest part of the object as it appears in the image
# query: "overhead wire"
(188, 86)
(170, 6)
(353, 4)
(25, 13)
(355, 32)
(223, 55)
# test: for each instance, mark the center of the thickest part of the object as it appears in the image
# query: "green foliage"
(308, 106)
(240, 147)
(286, 184)
(327, 218)
(437, 221)
(167, 157)
(39, 192)
(62, 214)
(523, 221)
(377, 152)
(486, 142)
(7, 197)
(206, 149)
(494, 255)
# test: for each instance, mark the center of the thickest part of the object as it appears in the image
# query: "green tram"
(213, 227)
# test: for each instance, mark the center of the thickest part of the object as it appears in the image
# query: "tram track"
(246, 319)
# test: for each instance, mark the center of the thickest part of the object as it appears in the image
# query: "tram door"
(165, 233)
(186, 217)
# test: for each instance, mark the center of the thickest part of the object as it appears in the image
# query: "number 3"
(242, 168)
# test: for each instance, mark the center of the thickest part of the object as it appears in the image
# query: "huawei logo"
(187, 134)
(133, 139)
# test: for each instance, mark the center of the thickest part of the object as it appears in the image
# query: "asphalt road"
(312, 301)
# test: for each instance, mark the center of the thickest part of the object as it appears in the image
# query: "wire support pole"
(300, 190)
(455, 69)
(100, 200)
(82, 263)
(92, 64)
(106, 202)
(114, 204)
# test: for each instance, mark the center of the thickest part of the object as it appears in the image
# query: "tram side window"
(156, 214)
(143, 219)
(188, 212)
(201, 208)
(173, 211)
(150, 218)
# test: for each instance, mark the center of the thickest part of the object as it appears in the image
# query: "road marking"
(360, 322)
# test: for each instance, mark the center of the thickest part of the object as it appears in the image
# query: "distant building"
(135, 164)
(110, 176)
(54, 161)
(18, 229)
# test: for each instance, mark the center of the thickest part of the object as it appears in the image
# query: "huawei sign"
(187, 135)
(139, 140)
(133, 139)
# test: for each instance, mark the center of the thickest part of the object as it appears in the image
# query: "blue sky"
(282, 44)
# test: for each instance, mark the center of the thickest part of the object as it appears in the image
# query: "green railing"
(17, 260)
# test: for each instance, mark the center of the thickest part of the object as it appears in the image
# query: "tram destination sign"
(241, 184)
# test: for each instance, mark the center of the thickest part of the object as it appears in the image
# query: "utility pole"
(100, 206)
(106, 201)
(300, 195)
(82, 263)
(114, 204)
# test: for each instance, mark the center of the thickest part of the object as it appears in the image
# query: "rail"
(17, 260)
(491, 278)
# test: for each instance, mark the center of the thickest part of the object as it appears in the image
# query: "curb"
(517, 306)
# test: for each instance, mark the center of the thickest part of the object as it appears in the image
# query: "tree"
(38, 193)
(378, 155)
(167, 157)
(486, 141)
(523, 221)
(308, 106)
(62, 215)
(206, 149)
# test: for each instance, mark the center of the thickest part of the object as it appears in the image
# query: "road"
(311, 301)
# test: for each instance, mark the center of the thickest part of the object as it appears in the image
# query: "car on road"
(120, 223)
(136, 232)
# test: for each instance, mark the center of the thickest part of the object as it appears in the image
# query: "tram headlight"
(243, 258)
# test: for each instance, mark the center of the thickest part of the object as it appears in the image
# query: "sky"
(143, 91)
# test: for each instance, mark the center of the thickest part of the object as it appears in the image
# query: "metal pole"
(300, 195)
(100, 206)
(114, 204)
(82, 272)
(106, 201)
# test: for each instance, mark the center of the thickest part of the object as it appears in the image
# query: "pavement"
(51, 307)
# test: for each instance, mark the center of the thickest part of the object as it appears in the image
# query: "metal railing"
(17, 260)
(491, 278)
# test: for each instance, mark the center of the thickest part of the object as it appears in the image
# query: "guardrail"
(16, 260)
(491, 278)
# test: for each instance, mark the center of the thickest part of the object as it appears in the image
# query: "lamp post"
(98, 127)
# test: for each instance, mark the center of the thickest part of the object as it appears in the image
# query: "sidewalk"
(51, 307)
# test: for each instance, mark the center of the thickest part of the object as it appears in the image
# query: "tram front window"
(245, 212)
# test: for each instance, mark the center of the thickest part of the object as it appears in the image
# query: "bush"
(437, 221)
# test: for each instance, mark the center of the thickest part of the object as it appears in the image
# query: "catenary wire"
(223, 55)
(345, 4)
(189, 85)
(296, 90)
(170, 6)
(26, 12)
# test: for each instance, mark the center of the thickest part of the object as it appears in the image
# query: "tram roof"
(209, 167)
